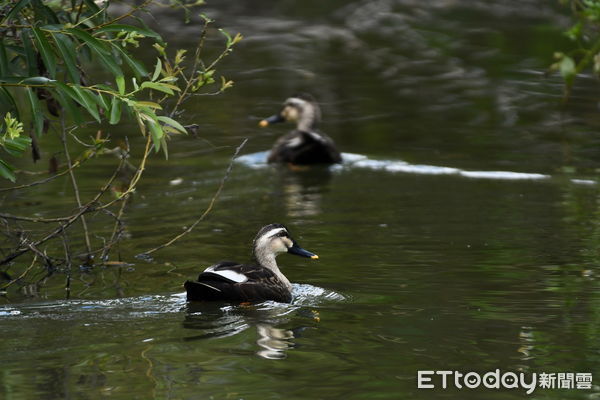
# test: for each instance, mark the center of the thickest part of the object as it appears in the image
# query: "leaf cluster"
(46, 49)
(585, 35)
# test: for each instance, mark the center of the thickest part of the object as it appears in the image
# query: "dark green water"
(419, 269)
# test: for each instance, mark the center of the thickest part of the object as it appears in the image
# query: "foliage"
(45, 49)
(66, 64)
(585, 35)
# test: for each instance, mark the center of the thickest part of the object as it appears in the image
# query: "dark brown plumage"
(231, 281)
(304, 145)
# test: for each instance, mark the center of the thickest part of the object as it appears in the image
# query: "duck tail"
(198, 291)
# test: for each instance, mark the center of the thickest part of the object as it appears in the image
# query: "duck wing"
(230, 281)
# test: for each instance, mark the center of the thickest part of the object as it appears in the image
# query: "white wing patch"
(317, 137)
(228, 274)
(294, 142)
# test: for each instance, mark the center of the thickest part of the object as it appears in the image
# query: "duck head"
(301, 109)
(273, 240)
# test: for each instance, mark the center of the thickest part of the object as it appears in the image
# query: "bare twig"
(23, 274)
(51, 178)
(208, 209)
(117, 230)
(90, 206)
(63, 138)
(68, 264)
(33, 219)
(128, 14)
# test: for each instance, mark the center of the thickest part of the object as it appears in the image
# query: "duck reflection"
(303, 190)
(215, 320)
(273, 341)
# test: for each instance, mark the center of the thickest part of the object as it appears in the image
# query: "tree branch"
(208, 209)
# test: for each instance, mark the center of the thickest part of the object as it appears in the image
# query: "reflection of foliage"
(46, 51)
(586, 36)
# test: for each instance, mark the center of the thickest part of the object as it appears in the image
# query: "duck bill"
(273, 119)
(299, 251)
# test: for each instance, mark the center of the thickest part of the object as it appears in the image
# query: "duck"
(304, 145)
(250, 283)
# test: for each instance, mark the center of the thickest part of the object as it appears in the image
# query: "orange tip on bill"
(314, 257)
(263, 123)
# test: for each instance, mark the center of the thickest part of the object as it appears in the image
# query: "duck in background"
(304, 145)
(231, 281)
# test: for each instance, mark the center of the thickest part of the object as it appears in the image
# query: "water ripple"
(354, 161)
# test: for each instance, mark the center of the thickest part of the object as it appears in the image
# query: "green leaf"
(4, 69)
(567, 69)
(120, 79)
(138, 68)
(149, 104)
(43, 13)
(88, 101)
(46, 51)
(15, 10)
(17, 146)
(30, 53)
(36, 112)
(66, 48)
(157, 69)
(101, 101)
(157, 133)
(115, 111)
(172, 122)
(8, 104)
(6, 170)
(99, 49)
(92, 6)
(36, 80)
(95, 11)
(129, 28)
(11, 79)
(88, 39)
(67, 104)
(157, 86)
(163, 143)
(227, 35)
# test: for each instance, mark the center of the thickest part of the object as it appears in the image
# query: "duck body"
(261, 281)
(232, 281)
(304, 148)
(305, 145)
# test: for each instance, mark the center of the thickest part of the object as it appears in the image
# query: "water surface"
(460, 234)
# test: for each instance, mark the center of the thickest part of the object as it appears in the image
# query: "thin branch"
(33, 219)
(128, 14)
(63, 138)
(68, 264)
(90, 206)
(117, 230)
(136, 177)
(23, 274)
(51, 178)
(193, 77)
(208, 209)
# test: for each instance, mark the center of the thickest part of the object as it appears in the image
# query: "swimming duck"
(305, 144)
(231, 281)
